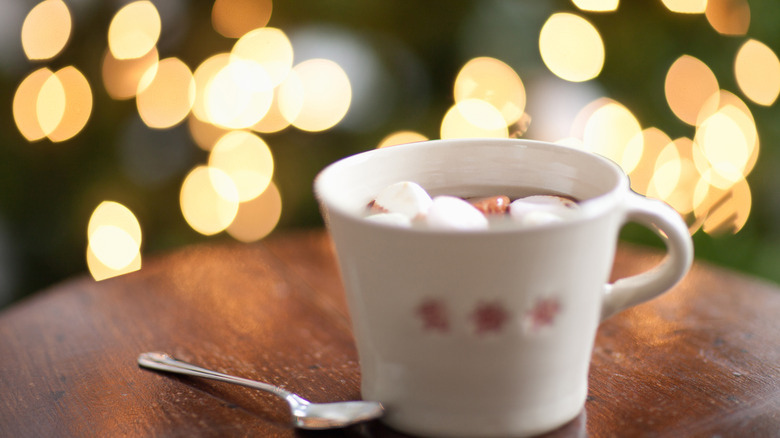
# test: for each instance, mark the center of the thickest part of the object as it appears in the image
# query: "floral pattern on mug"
(542, 315)
(489, 318)
(434, 316)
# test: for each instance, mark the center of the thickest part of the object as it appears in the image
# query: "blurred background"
(131, 128)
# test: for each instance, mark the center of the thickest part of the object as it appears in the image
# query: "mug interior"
(472, 167)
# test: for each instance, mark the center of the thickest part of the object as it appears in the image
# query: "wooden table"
(703, 360)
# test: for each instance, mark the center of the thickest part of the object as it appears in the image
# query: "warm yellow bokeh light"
(25, 105)
(100, 271)
(689, 83)
(401, 137)
(203, 133)
(653, 142)
(134, 30)
(728, 17)
(78, 104)
(571, 47)
(239, 95)
(613, 131)
(50, 106)
(258, 217)
(203, 75)
(667, 172)
(208, 200)
(114, 236)
(597, 5)
(168, 98)
(273, 120)
(494, 82)
(122, 77)
(727, 141)
(46, 30)
(113, 246)
(234, 18)
(757, 70)
(473, 118)
(676, 176)
(270, 48)
(316, 95)
(738, 112)
(246, 159)
(721, 211)
(686, 6)
(115, 214)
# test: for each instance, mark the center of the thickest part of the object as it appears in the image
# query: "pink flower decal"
(542, 314)
(433, 314)
(489, 318)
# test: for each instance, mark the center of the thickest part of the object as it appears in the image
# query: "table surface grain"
(702, 360)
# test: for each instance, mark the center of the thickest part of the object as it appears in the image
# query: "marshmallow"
(551, 205)
(451, 213)
(538, 217)
(395, 219)
(405, 197)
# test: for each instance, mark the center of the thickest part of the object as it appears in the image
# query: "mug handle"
(669, 226)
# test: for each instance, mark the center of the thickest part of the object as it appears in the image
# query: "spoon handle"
(164, 362)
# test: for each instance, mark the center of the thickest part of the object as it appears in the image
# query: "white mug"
(490, 332)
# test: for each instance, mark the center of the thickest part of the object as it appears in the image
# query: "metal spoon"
(307, 415)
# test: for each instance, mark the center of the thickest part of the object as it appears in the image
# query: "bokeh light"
(239, 95)
(727, 140)
(728, 17)
(653, 142)
(722, 211)
(494, 82)
(316, 95)
(571, 47)
(401, 137)
(134, 30)
(203, 133)
(689, 83)
(168, 98)
(50, 105)
(757, 70)
(473, 118)
(271, 49)
(614, 132)
(675, 177)
(597, 5)
(114, 237)
(686, 6)
(273, 120)
(77, 104)
(203, 75)
(739, 115)
(257, 217)
(122, 77)
(208, 200)
(46, 30)
(25, 105)
(247, 160)
(234, 18)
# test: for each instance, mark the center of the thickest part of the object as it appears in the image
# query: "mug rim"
(591, 207)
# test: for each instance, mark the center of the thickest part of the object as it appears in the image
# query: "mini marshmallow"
(555, 205)
(451, 213)
(405, 197)
(539, 217)
(395, 219)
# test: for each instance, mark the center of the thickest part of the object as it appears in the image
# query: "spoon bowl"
(306, 415)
